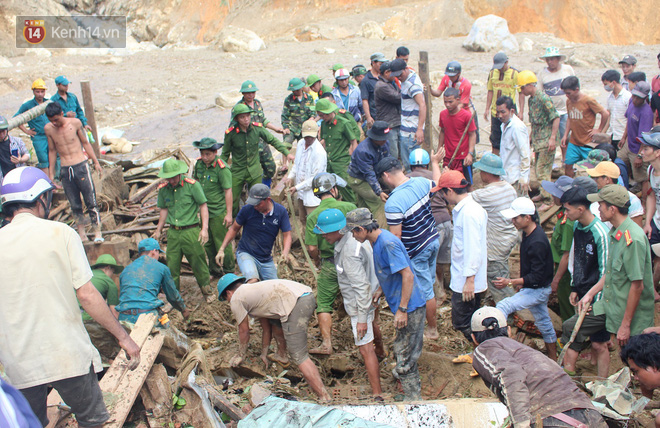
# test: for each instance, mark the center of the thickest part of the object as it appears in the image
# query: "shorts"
(575, 154)
(592, 328)
(446, 234)
(457, 165)
(81, 393)
(369, 336)
(327, 287)
(638, 174)
(655, 235)
(295, 328)
(251, 268)
(461, 312)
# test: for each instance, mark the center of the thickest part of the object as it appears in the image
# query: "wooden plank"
(547, 215)
(220, 401)
(426, 80)
(86, 91)
(130, 385)
(142, 193)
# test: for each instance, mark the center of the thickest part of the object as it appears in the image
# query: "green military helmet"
(330, 220)
(312, 78)
(172, 168)
(337, 66)
(107, 260)
(358, 70)
(326, 106)
(248, 86)
(3, 123)
(240, 109)
(206, 143)
(295, 84)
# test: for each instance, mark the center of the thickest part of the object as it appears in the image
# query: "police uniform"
(338, 136)
(182, 203)
(215, 179)
(265, 155)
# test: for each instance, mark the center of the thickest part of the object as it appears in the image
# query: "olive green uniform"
(338, 135)
(215, 179)
(101, 338)
(244, 150)
(562, 239)
(327, 285)
(265, 155)
(182, 203)
(353, 124)
(294, 113)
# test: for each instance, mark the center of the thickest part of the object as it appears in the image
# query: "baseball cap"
(587, 183)
(259, 192)
(359, 217)
(605, 168)
(650, 139)
(385, 66)
(61, 80)
(453, 68)
(613, 194)
(386, 164)
(309, 128)
(499, 59)
(519, 206)
(558, 188)
(478, 318)
(628, 59)
(451, 180)
(397, 66)
(378, 56)
(149, 244)
(641, 89)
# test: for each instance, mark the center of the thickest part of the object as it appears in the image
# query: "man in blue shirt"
(36, 131)
(68, 101)
(361, 171)
(401, 290)
(142, 280)
(261, 219)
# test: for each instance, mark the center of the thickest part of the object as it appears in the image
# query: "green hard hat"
(107, 260)
(295, 84)
(226, 281)
(312, 78)
(249, 86)
(3, 123)
(330, 220)
(207, 143)
(326, 106)
(172, 168)
(240, 109)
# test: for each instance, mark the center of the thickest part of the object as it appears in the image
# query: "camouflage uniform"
(541, 114)
(265, 155)
(294, 113)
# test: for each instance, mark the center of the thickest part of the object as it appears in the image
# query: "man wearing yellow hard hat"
(36, 125)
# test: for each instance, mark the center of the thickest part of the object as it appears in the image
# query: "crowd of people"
(382, 217)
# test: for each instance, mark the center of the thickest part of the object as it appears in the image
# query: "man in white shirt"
(514, 146)
(617, 104)
(468, 250)
(311, 159)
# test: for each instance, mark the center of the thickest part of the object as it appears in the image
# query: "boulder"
(527, 45)
(372, 30)
(235, 39)
(227, 99)
(490, 33)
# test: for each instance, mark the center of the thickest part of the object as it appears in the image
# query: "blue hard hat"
(226, 281)
(330, 220)
(419, 157)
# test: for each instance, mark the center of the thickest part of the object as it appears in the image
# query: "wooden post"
(426, 80)
(89, 113)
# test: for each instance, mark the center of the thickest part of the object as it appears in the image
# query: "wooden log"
(426, 80)
(156, 396)
(86, 91)
(128, 230)
(60, 208)
(221, 402)
(27, 116)
(142, 193)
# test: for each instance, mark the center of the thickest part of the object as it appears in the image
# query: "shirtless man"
(67, 138)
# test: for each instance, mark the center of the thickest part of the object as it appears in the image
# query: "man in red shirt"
(453, 79)
(458, 142)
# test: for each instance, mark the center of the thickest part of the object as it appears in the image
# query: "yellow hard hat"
(39, 84)
(526, 77)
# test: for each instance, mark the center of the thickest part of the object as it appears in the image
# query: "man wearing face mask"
(617, 103)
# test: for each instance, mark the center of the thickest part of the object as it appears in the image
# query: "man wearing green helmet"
(316, 87)
(298, 107)
(242, 144)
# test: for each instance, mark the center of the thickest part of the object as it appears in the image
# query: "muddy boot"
(412, 387)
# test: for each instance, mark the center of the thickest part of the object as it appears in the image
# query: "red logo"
(34, 31)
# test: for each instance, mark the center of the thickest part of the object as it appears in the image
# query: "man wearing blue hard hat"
(288, 305)
(142, 280)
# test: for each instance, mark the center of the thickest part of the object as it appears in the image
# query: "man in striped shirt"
(586, 263)
(413, 115)
(408, 214)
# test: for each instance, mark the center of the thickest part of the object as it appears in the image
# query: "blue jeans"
(393, 142)
(407, 144)
(536, 300)
(253, 268)
(424, 268)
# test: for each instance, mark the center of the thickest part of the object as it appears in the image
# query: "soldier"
(339, 141)
(249, 91)
(36, 131)
(215, 177)
(180, 200)
(242, 143)
(68, 101)
(317, 88)
(345, 114)
(298, 107)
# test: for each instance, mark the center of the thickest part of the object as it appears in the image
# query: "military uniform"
(265, 155)
(294, 113)
(215, 179)
(244, 149)
(562, 239)
(353, 124)
(182, 203)
(338, 135)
